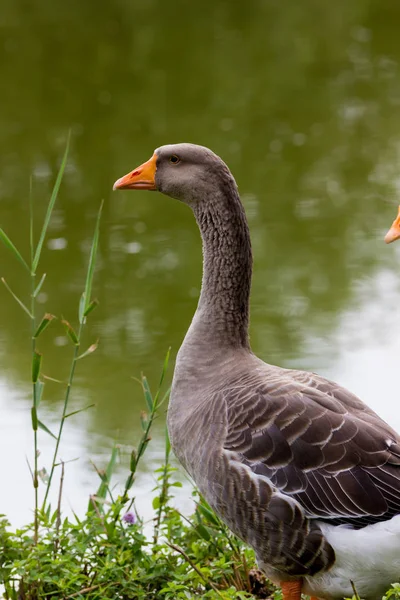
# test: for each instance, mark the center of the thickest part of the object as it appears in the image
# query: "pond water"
(302, 100)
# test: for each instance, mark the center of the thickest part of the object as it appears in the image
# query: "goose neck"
(223, 310)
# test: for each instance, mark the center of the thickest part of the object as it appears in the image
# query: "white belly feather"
(370, 557)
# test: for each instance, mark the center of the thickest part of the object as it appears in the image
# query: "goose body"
(295, 465)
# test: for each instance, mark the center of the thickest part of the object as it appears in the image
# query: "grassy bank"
(104, 553)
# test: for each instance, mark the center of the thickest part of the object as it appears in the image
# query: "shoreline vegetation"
(104, 553)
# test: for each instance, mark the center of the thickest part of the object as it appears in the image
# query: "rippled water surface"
(302, 100)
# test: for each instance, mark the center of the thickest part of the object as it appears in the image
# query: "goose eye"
(174, 159)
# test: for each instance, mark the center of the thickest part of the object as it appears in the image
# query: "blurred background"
(302, 100)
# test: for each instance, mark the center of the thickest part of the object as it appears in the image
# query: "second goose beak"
(394, 232)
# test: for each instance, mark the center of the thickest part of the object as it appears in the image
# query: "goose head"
(394, 232)
(186, 172)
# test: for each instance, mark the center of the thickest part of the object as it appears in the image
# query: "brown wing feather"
(320, 445)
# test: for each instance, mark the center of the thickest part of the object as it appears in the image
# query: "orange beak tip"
(394, 232)
(388, 238)
(392, 235)
(142, 178)
(116, 185)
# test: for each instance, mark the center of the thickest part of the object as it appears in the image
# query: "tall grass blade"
(39, 285)
(34, 418)
(167, 444)
(94, 304)
(147, 393)
(70, 331)
(144, 420)
(36, 362)
(164, 398)
(133, 460)
(29, 467)
(105, 477)
(203, 532)
(50, 207)
(163, 372)
(90, 350)
(90, 271)
(31, 239)
(52, 379)
(165, 367)
(208, 514)
(46, 429)
(75, 412)
(112, 462)
(39, 385)
(44, 323)
(356, 596)
(81, 312)
(7, 242)
(22, 305)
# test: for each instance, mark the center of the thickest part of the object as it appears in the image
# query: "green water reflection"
(302, 100)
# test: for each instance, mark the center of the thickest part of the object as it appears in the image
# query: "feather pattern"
(326, 449)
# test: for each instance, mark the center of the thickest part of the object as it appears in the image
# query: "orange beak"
(394, 232)
(142, 178)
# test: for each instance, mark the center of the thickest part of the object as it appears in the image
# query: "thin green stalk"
(53, 198)
(85, 306)
(163, 497)
(34, 386)
(31, 237)
(146, 422)
(153, 404)
(105, 476)
(64, 412)
(35, 254)
(34, 408)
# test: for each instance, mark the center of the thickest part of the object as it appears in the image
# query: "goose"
(394, 232)
(296, 465)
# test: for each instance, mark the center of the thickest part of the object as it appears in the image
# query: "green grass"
(104, 552)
